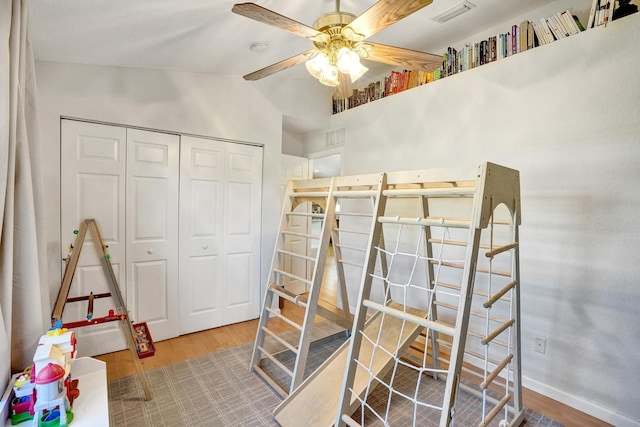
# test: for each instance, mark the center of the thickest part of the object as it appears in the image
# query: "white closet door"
(242, 232)
(152, 230)
(92, 185)
(220, 218)
(201, 236)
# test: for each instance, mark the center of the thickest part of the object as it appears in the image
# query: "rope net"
(422, 280)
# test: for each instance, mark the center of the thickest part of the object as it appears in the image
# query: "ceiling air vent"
(336, 137)
(451, 13)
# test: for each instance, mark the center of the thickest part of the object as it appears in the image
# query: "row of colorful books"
(525, 36)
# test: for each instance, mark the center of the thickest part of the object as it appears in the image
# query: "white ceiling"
(205, 36)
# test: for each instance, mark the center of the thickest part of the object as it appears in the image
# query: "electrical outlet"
(540, 345)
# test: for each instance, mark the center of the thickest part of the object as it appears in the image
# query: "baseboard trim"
(605, 414)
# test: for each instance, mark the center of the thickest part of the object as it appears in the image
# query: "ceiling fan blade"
(269, 17)
(385, 13)
(407, 58)
(280, 66)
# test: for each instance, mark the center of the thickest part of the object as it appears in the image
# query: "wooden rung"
(356, 214)
(495, 411)
(350, 421)
(436, 241)
(354, 194)
(275, 361)
(278, 389)
(448, 242)
(437, 326)
(478, 270)
(283, 318)
(304, 235)
(292, 276)
(457, 288)
(497, 332)
(426, 222)
(306, 214)
(351, 248)
(282, 292)
(472, 391)
(472, 312)
(296, 255)
(447, 264)
(431, 192)
(86, 297)
(494, 272)
(496, 371)
(355, 264)
(481, 337)
(495, 297)
(280, 340)
(499, 250)
(309, 194)
(342, 230)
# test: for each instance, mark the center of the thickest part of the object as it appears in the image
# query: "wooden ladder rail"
(297, 192)
(116, 294)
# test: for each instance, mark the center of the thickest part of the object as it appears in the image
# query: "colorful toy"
(144, 342)
(45, 391)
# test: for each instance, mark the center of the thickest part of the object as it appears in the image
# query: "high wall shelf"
(409, 79)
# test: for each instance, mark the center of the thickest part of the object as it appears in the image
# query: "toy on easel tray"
(144, 342)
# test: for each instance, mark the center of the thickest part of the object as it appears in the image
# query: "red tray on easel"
(144, 342)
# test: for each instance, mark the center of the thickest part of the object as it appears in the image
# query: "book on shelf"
(601, 13)
(569, 22)
(524, 33)
(540, 36)
(544, 26)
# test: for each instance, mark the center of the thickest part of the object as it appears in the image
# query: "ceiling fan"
(339, 40)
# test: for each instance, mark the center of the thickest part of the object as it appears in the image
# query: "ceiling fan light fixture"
(358, 72)
(347, 60)
(317, 64)
(329, 76)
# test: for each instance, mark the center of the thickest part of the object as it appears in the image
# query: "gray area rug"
(218, 389)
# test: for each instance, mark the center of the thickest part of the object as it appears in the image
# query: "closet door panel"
(243, 214)
(201, 233)
(152, 229)
(92, 185)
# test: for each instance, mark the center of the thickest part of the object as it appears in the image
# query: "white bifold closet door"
(220, 217)
(181, 217)
(127, 180)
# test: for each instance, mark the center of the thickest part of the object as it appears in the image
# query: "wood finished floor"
(119, 364)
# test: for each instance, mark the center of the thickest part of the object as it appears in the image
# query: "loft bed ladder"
(310, 223)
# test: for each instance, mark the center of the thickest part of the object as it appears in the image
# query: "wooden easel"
(120, 312)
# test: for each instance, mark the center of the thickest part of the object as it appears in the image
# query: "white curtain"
(24, 299)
